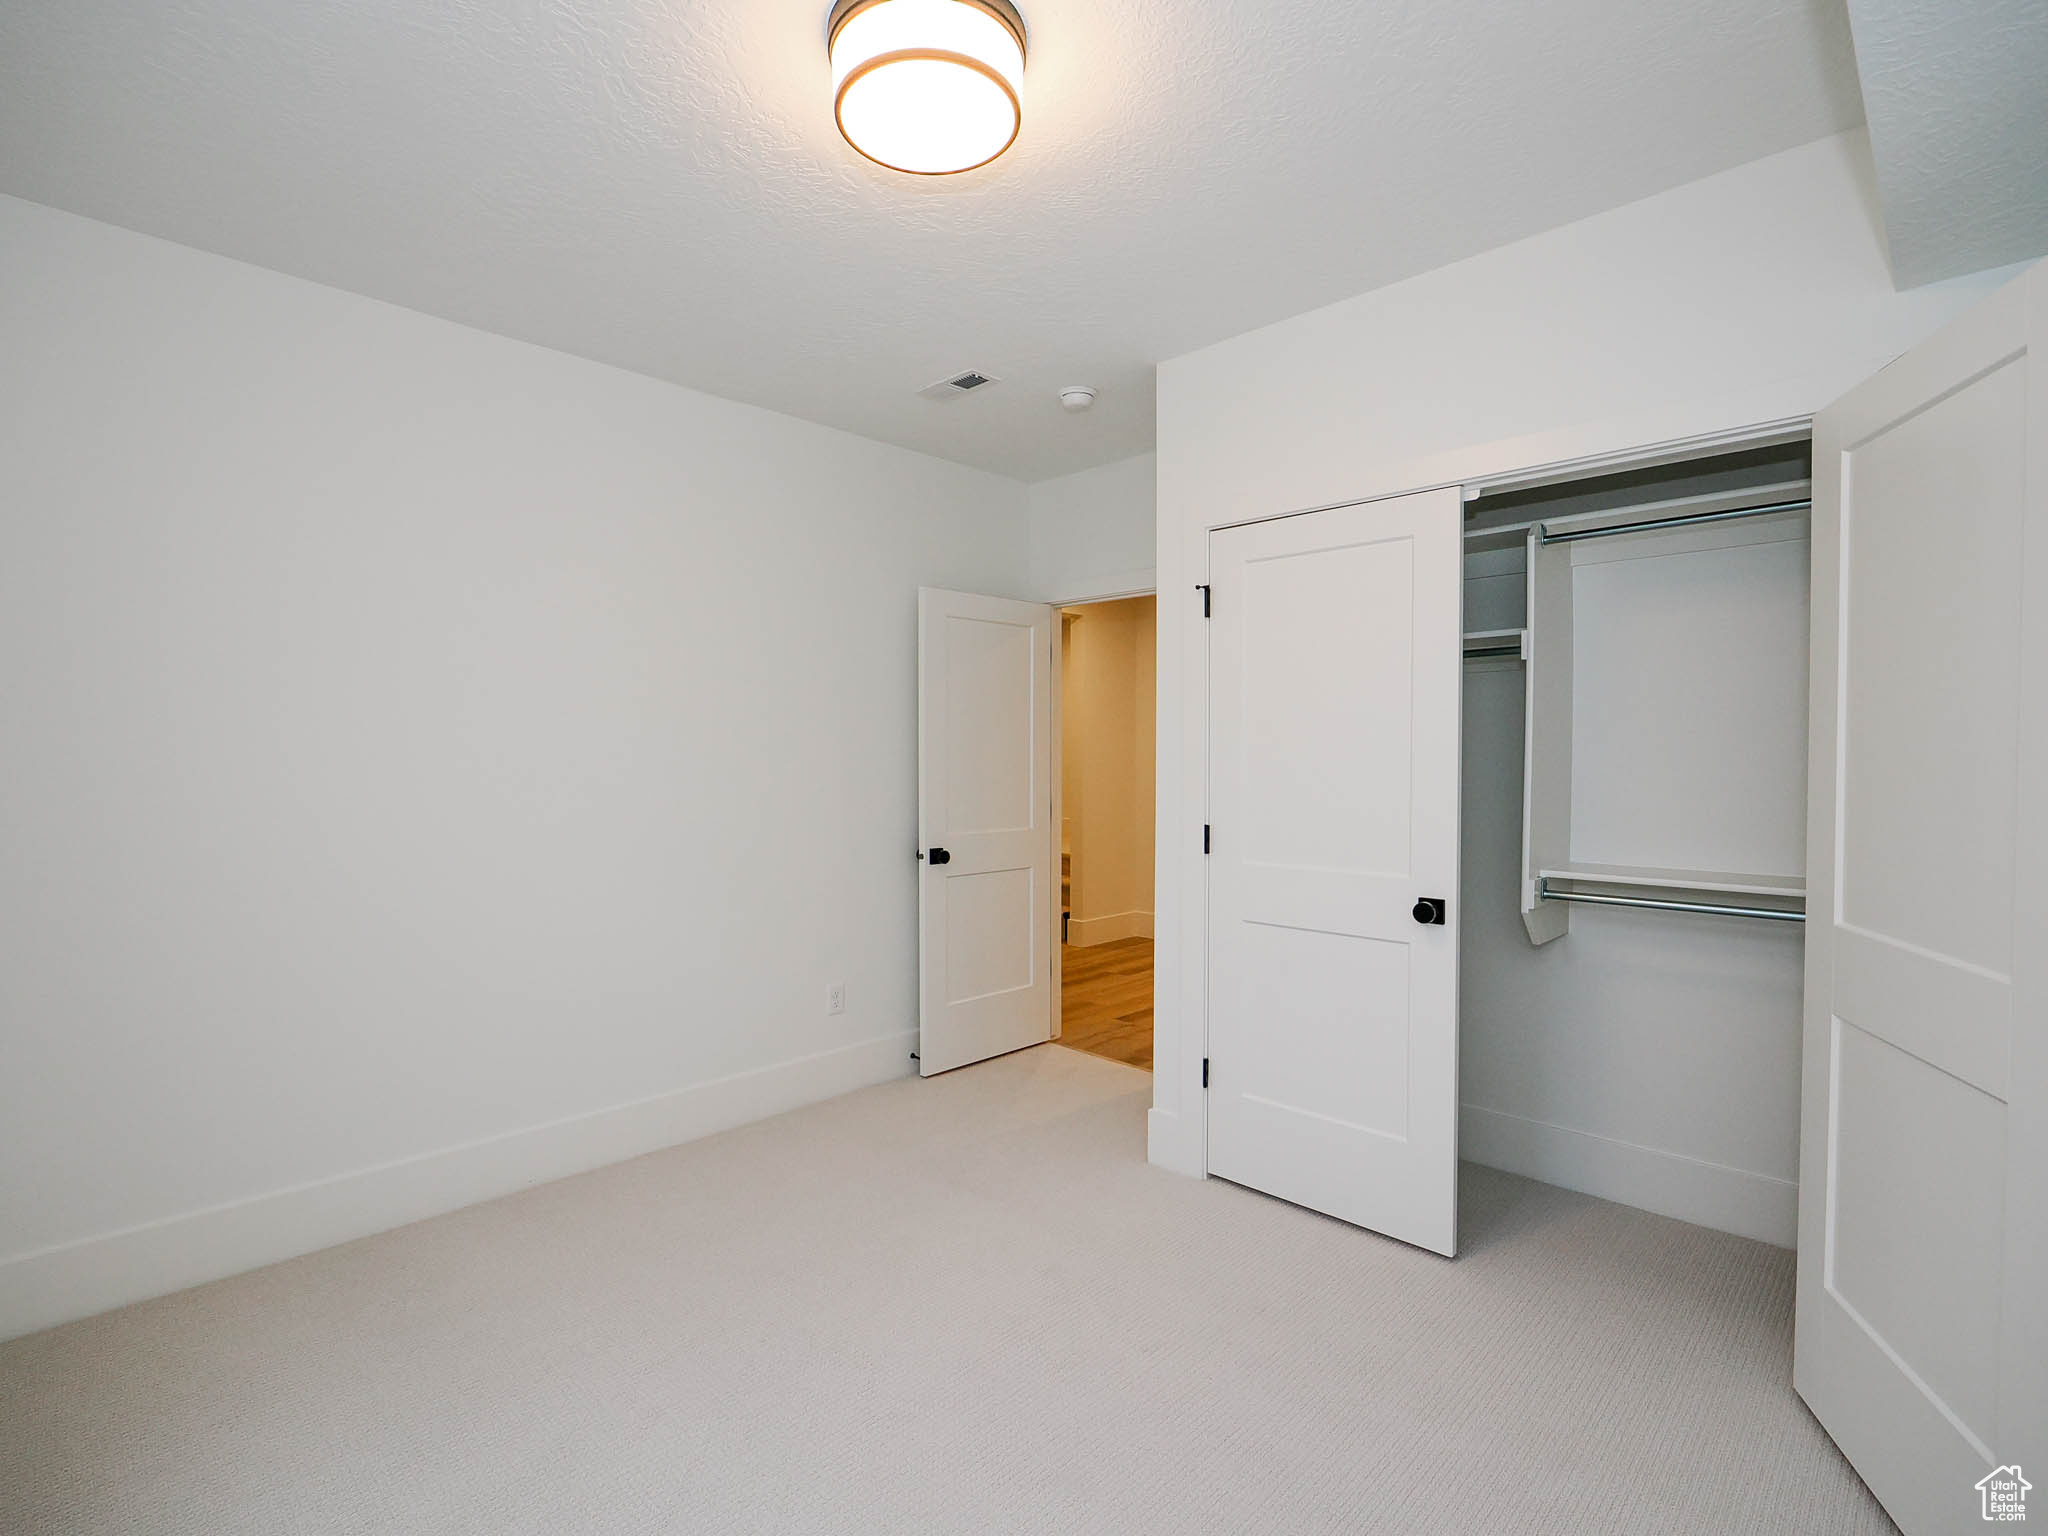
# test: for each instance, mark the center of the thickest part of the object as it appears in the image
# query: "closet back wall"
(433, 764)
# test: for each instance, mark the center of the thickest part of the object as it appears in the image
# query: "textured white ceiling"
(1957, 94)
(658, 183)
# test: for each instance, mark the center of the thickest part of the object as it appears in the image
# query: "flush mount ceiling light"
(927, 86)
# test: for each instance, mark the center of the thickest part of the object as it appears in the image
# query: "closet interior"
(1634, 833)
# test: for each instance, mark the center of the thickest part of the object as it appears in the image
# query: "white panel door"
(1335, 679)
(987, 883)
(1923, 1204)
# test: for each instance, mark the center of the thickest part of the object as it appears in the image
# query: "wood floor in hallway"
(1106, 1000)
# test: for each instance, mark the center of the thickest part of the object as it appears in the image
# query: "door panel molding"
(1336, 665)
(988, 910)
(1923, 1241)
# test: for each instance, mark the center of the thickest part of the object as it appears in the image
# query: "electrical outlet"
(835, 997)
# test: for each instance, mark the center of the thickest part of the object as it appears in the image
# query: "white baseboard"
(1706, 1194)
(77, 1279)
(1083, 931)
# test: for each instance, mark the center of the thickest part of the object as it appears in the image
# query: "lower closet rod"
(1772, 914)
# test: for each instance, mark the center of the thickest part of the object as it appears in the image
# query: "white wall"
(434, 764)
(1758, 294)
(1754, 296)
(1092, 533)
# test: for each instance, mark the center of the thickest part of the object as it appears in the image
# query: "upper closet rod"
(1772, 914)
(1547, 537)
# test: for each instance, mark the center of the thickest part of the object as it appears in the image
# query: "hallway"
(1106, 1000)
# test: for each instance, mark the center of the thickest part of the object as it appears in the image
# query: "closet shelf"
(1721, 881)
(1504, 643)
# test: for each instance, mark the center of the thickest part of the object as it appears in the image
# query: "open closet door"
(987, 883)
(1335, 677)
(1922, 1323)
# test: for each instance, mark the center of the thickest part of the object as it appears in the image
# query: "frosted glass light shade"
(928, 86)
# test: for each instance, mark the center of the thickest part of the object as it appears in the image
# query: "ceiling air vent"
(959, 384)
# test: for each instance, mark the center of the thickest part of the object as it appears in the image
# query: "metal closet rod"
(1770, 914)
(1547, 537)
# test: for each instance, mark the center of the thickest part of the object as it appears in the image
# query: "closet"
(1747, 924)
(1634, 834)
(1396, 975)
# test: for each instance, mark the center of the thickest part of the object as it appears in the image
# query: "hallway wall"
(1107, 733)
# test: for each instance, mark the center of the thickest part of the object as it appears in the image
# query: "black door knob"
(940, 856)
(1429, 911)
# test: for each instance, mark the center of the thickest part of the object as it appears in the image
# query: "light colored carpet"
(959, 1305)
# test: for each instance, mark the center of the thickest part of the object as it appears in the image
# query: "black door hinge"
(1205, 1071)
(1204, 590)
(1205, 837)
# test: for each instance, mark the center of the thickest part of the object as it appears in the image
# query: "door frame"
(1177, 1132)
(1059, 789)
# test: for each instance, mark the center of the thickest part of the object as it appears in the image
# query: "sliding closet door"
(1923, 1219)
(1334, 718)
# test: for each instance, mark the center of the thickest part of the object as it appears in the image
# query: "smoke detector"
(1077, 397)
(959, 384)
